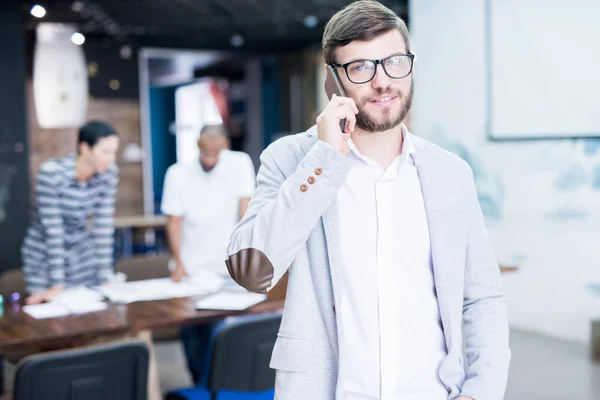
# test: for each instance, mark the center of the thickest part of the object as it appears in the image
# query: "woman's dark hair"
(93, 131)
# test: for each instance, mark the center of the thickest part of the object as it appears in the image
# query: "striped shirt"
(71, 236)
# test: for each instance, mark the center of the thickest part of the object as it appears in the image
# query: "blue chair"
(238, 363)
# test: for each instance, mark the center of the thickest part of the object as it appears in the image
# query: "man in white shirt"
(391, 272)
(204, 200)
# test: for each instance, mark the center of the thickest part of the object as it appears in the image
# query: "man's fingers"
(337, 101)
(343, 111)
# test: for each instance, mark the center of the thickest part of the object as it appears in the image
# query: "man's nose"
(380, 80)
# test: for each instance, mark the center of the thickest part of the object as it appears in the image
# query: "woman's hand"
(41, 297)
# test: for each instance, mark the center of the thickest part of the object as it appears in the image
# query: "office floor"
(541, 369)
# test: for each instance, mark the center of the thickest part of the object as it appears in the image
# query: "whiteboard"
(543, 61)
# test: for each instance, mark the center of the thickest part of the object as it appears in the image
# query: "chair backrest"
(115, 371)
(139, 268)
(241, 353)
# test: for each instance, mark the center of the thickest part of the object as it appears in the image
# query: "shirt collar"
(408, 146)
(220, 168)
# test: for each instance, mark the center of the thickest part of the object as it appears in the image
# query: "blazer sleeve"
(484, 312)
(282, 212)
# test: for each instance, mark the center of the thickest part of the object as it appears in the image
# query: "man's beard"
(368, 124)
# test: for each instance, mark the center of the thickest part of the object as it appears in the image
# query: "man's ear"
(83, 147)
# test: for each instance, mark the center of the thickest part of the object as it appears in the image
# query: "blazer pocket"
(291, 354)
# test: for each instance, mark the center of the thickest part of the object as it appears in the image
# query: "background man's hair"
(213, 131)
(93, 131)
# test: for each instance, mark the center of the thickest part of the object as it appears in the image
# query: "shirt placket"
(387, 326)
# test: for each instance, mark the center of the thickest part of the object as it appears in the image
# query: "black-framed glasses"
(396, 66)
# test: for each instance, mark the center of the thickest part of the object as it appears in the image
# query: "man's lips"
(384, 100)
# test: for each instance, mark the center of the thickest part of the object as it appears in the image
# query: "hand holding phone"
(333, 85)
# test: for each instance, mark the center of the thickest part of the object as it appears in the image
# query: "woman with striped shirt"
(70, 240)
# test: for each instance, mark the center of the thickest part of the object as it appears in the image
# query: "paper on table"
(47, 310)
(80, 300)
(71, 301)
(78, 295)
(161, 289)
(230, 301)
(208, 280)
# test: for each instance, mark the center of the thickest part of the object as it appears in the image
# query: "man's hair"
(361, 20)
(213, 131)
(93, 131)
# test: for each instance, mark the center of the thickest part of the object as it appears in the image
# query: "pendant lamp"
(60, 82)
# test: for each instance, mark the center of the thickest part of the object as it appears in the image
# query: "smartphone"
(337, 89)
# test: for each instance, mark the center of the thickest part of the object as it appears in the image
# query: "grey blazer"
(291, 224)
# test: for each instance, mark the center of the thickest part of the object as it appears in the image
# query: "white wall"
(554, 71)
(541, 197)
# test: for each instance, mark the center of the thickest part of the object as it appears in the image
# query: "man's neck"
(381, 147)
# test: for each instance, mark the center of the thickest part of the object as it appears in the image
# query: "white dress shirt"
(391, 338)
(209, 204)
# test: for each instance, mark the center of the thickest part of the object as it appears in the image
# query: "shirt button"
(303, 187)
(319, 171)
(311, 179)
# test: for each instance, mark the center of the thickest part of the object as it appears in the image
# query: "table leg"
(125, 237)
(128, 239)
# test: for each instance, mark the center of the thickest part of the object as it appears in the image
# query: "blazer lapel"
(332, 239)
(435, 209)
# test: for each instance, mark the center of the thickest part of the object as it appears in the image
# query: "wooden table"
(141, 221)
(19, 331)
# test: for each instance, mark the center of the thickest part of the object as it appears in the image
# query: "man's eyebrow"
(400, 53)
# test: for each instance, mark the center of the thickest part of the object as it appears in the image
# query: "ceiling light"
(77, 6)
(78, 38)
(114, 84)
(310, 21)
(237, 40)
(125, 52)
(92, 69)
(38, 11)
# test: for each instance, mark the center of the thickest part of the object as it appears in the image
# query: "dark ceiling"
(264, 25)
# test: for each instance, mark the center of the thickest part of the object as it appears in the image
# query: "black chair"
(241, 351)
(115, 371)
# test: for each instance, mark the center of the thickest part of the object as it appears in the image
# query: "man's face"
(382, 102)
(210, 149)
(102, 155)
